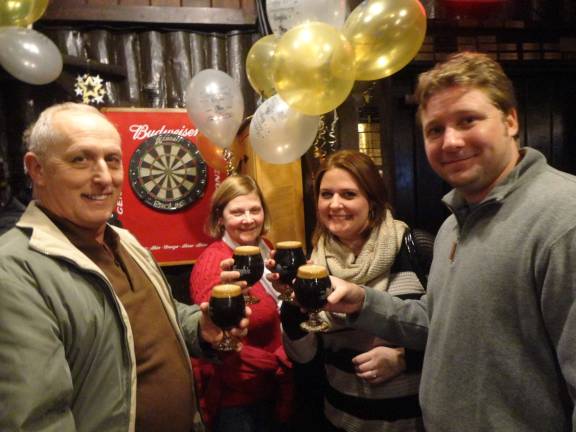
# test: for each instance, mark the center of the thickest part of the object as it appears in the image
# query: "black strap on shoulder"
(419, 245)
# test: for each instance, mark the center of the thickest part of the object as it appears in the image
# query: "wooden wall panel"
(102, 2)
(134, 2)
(170, 12)
(165, 3)
(196, 3)
(248, 6)
(228, 4)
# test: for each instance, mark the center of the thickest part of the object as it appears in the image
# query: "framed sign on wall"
(167, 185)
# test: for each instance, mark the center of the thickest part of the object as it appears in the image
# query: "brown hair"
(233, 187)
(467, 69)
(365, 172)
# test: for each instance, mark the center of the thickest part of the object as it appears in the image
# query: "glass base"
(228, 343)
(286, 295)
(314, 326)
(250, 299)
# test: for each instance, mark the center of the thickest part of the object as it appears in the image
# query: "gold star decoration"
(90, 88)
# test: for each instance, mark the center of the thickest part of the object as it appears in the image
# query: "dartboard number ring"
(167, 172)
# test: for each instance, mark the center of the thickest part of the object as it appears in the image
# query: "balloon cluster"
(307, 68)
(27, 54)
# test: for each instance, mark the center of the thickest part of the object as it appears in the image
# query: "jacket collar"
(47, 238)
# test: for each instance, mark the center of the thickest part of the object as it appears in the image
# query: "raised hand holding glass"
(227, 309)
(312, 287)
(249, 263)
(289, 256)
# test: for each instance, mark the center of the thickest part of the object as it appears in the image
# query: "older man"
(90, 336)
(499, 319)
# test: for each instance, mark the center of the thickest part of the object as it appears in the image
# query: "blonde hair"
(467, 69)
(233, 187)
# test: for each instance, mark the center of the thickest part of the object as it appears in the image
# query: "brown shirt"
(164, 399)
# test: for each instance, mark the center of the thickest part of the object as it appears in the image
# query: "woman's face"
(343, 207)
(243, 218)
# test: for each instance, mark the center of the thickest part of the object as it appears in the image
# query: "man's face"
(80, 178)
(469, 142)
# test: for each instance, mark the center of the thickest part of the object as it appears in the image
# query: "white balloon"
(280, 135)
(29, 55)
(285, 14)
(215, 105)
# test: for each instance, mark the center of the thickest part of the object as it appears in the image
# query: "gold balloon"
(259, 65)
(386, 36)
(313, 68)
(21, 12)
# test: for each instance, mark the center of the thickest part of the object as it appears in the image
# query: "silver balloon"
(280, 135)
(215, 105)
(29, 55)
(285, 14)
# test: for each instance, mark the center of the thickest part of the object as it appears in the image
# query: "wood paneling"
(231, 4)
(134, 2)
(196, 3)
(165, 3)
(102, 2)
(248, 6)
(165, 15)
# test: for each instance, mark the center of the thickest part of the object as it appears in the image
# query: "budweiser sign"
(143, 131)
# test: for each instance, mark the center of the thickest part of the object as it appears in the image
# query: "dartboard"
(167, 172)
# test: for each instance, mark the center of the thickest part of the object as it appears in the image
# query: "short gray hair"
(42, 134)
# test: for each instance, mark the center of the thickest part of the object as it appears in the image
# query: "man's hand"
(346, 298)
(213, 334)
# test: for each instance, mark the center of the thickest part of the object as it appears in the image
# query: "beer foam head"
(226, 290)
(247, 250)
(288, 245)
(312, 271)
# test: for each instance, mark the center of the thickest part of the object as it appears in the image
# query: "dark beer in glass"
(226, 311)
(289, 256)
(249, 263)
(312, 287)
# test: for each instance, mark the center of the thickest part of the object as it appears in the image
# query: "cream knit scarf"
(372, 266)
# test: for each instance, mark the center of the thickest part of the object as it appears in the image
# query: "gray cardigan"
(499, 320)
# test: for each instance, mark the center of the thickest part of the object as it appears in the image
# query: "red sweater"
(260, 371)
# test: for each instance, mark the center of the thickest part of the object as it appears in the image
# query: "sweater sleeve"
(404, 322)
(206, 271)
(301, 347)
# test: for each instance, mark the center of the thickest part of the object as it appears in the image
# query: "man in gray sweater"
(499, 318)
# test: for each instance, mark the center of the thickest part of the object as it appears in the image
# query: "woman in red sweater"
(249, 390)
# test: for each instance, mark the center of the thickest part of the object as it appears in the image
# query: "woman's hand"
(213, 334)
(274, 276)
(380, 364)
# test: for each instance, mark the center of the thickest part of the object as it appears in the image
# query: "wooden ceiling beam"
(171, 15)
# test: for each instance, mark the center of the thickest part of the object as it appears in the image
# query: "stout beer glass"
(249, 263)
(311, 288)
(289, 256)
(226, 311)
